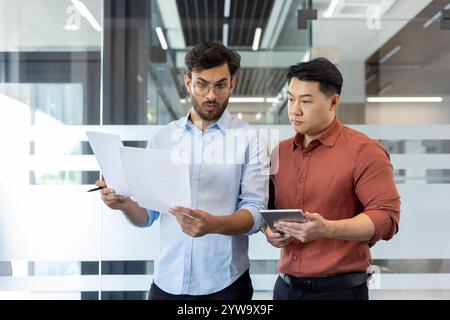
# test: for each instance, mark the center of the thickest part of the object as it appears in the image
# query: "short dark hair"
(207, 55)
(321, 70)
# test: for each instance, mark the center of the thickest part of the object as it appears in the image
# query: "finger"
(286, 236)
(274, 243)
(291, 225)
(192, 214)
(113, 198)
(272, 234)
(275, 236)
(183, 209)
(189, 229)
(100, 183)
(280, 244)
(312, 216)
(282, 224)
(180, 216)
(116, 197)
(283, 244)
(281, 227)
(111, 204)
(189, 232)
(278, 225)
(107, 191)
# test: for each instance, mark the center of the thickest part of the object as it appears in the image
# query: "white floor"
(384, 295)
(258, 295)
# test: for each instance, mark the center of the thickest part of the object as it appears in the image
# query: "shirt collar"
(185, 123)
(328, 137)
(222, 124)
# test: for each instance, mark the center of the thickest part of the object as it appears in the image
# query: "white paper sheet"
(155, 180)
(106, 148)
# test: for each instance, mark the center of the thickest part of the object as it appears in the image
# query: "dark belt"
(338, 282)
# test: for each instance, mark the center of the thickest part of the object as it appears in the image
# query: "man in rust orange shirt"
(344, 183)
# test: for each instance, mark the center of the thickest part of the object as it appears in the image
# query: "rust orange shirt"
(339, 175)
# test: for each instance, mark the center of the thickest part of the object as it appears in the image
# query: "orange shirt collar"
(328, 137)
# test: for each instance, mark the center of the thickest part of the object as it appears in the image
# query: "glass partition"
(67, 66)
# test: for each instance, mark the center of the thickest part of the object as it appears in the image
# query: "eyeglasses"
(202, 88)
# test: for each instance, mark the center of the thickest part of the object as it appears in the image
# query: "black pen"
(95, 189)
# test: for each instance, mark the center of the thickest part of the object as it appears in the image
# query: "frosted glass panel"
(72, 216)
(52, 223)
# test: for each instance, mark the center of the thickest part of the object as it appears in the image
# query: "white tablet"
(271, 216)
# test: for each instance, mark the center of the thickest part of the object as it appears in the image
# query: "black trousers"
(283, 291)
(241, 289)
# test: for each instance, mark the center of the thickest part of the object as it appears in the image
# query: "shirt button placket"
(300, 184)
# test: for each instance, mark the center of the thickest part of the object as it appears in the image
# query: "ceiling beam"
(172, 23)
(275, 23)
(260, 59)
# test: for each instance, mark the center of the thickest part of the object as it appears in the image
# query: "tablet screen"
(271, 216)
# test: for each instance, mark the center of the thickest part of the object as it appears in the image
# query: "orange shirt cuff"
(383, 225)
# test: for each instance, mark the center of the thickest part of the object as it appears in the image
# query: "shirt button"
(294, 258)
(301, 179)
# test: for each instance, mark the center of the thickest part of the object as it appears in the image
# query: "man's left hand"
(316, 227)
(195, 223)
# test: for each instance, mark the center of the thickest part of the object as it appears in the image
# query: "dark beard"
(212, 117)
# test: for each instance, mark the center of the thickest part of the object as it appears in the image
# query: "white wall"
(38, 25)
(408, 113)
(354, 90)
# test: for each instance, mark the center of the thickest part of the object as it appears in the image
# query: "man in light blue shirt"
(203, 250)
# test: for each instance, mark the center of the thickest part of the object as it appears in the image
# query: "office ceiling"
(260, 82)
(423, 59)
(204, 19)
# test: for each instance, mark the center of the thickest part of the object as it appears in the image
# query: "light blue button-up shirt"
(228, 172)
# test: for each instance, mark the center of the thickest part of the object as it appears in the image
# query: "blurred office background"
(67, 66)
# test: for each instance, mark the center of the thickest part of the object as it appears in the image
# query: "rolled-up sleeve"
(254, 193)
(376, 190)
(152, 217)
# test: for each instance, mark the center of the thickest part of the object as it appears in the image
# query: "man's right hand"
(115, 202)
(277, 239)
